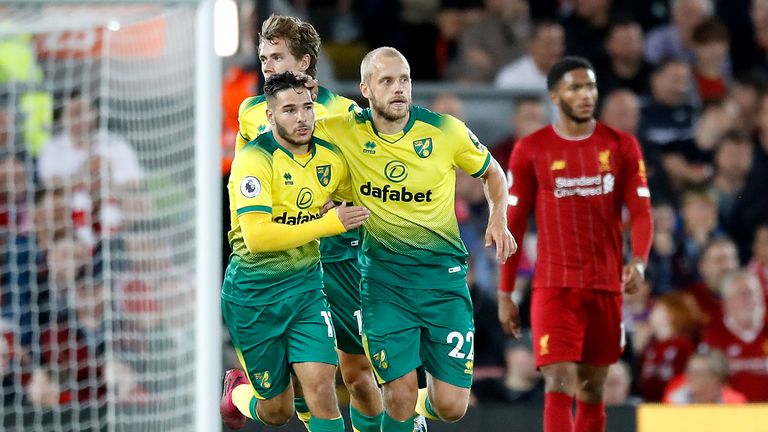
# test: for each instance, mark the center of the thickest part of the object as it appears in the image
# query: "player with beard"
(272, 296)
(416, 307)
(579, 174)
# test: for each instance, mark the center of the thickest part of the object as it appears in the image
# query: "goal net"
(97, 216)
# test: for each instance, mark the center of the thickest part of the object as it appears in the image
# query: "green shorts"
(269, 338)
(404, 328)
(342, 286)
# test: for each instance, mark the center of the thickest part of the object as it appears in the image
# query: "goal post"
(110, 217)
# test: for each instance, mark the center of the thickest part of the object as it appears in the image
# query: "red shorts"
(576, 325)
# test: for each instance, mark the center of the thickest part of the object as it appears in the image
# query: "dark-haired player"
(580, 174)
(272, 297)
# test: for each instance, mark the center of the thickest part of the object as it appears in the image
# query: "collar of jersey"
(313, 150)
(366, 113)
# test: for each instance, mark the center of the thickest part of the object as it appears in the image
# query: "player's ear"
(304, 63)
(364, 90)
(270, 117)
(554, 97)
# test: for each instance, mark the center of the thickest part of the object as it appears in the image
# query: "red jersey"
(579, 188)
(661, 362)
(747, 358)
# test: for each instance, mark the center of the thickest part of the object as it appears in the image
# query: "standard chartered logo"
(304, 199)
(396, 171)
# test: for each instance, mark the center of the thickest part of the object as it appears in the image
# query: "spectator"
(621, 110)
(624, 65)
(674, 320)
(661, 260)
(718, 258)
(73, 154)
(545, 47)
(521, 383)
(710, 42)
(738, 188)
(751, 41)
(699, 225)
(586, 28)
(498, 38)
(448, 103)
(667, 129)
(79, 157)
(742, 335)
(747, 89)
(617, 385)
(675, 40)
(759, 264)
(530, 115)
(717, 118)
(704, 382)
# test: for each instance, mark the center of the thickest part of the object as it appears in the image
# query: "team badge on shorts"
(470, 366)
(544, 344)
(262, 379)
(381, 360)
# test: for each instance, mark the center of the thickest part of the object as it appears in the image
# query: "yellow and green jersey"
(252, 117)
(268, 178)
(407, 181)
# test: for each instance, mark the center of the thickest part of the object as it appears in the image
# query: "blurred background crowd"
(688, 78)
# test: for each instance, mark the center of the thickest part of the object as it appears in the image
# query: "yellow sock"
(423, 407)
(302, 411)
(241, 397)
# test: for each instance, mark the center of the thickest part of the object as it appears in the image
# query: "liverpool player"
(579, 173)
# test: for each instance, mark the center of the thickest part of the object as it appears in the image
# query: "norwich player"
(415, 300)
(288, 44)
(272, 297)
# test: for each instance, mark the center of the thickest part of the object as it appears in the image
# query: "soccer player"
(579, 173)
(416, 304)
(272, 297)
(288, 44)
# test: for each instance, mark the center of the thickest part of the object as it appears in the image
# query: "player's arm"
(475, 159)
(243, 134)
(637, 198)
(494, 186)
(521, 181)
(263, 235)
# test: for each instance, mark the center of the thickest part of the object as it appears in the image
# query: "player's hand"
(327, 206)
(497, 233)
(353, 216)
(312, 84)
(632, 276)
(509, 315)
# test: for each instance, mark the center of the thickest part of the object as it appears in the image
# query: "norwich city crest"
(324, 174)
(381, 359)
(262, 379)
(423, 147)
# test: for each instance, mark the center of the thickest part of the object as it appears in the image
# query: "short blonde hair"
(365, 65)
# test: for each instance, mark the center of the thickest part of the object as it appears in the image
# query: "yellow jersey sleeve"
(252, 120)
(251, 179)
(469, 154)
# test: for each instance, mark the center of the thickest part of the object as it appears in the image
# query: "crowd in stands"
(80, 258)
(689, 79)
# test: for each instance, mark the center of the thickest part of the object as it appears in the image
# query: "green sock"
(254, 412)
(388, 424)
(364, 423)
(325, 425)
